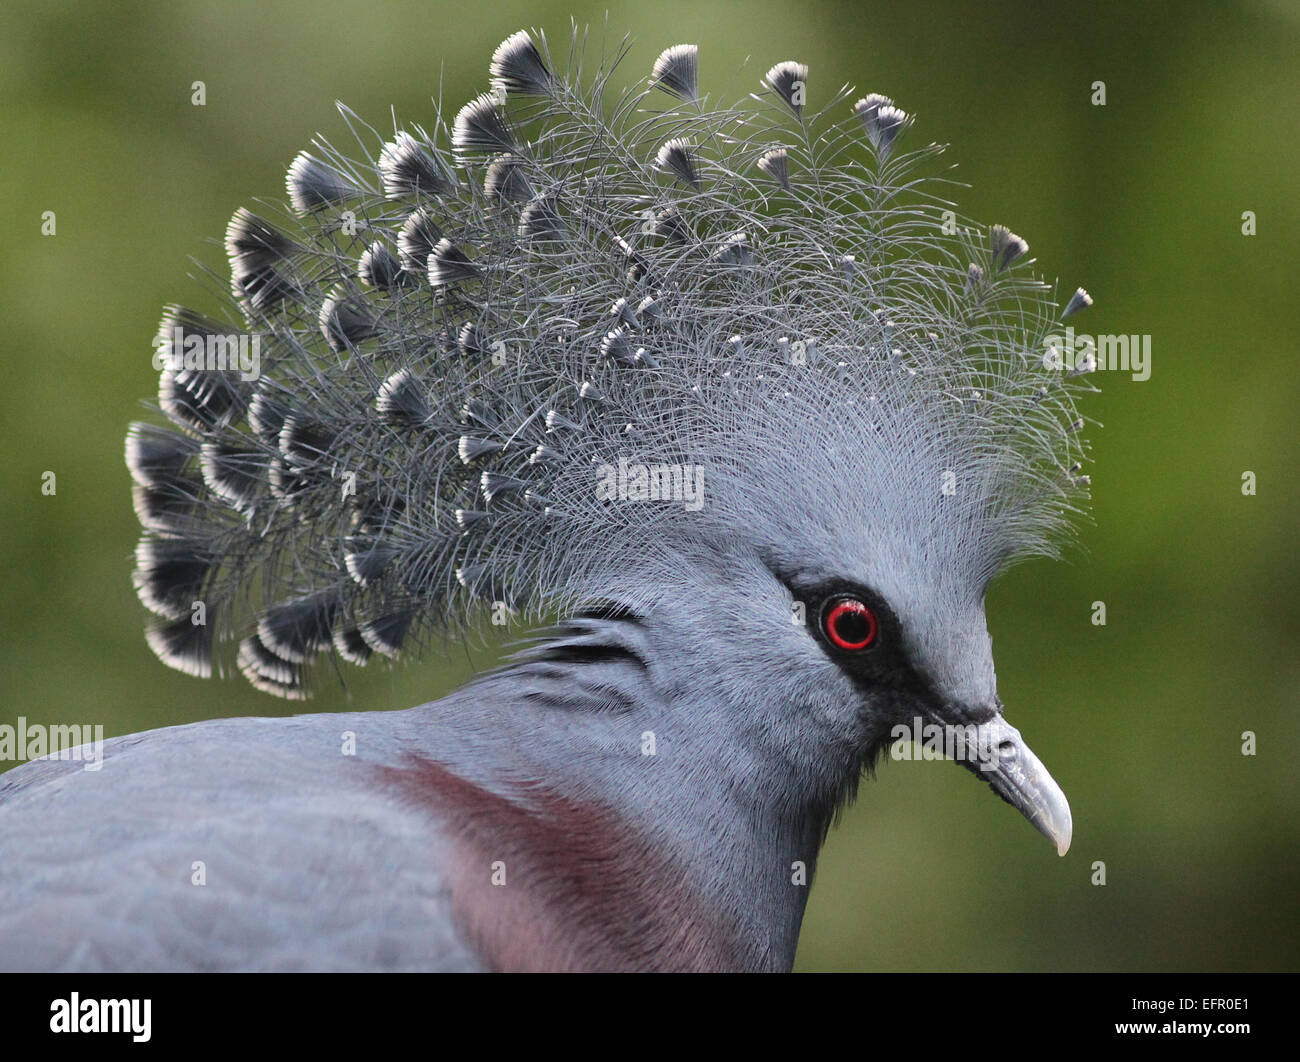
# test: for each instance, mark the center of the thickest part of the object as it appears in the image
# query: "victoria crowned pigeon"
(725, 403)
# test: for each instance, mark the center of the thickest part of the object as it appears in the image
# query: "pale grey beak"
(1003, 760)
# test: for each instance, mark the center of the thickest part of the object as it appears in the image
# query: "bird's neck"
(625, 832)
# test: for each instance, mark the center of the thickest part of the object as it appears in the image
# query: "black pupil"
(852, 626)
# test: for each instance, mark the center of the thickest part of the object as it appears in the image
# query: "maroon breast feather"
(582, 891)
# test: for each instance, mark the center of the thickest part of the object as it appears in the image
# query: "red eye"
(849, 624)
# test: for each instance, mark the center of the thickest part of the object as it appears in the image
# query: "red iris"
(850, 625)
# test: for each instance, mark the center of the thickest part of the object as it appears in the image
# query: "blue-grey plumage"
(517, 824)
(730, 389)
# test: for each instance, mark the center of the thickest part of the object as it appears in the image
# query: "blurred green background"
(1140, 201)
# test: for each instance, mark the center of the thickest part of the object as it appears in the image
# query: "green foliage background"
(1140, 201)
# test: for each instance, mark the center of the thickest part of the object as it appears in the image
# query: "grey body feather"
(114, 884)
(312, 860)
(461, 334)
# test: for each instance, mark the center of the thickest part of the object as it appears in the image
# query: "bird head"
(822, 582)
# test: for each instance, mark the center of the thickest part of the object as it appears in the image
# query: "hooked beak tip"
(1063, 840)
